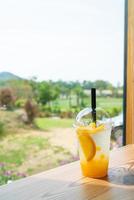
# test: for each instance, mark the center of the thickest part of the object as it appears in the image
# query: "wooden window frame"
(128, 104)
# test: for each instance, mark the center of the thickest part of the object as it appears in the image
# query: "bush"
(114, 111)
(44, 111)
(20, 103)
(66, 114)
(45, 108)
(47, 114)
(7, 98)
(2, 127)
(75, 111)
(56, 110)
(31, 111)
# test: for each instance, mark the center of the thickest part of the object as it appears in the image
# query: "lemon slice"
(87, 145)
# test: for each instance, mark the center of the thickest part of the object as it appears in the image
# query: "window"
(52, 53)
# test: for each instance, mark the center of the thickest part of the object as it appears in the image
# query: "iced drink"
(94, 139)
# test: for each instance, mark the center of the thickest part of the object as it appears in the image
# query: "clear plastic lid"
(84, 117)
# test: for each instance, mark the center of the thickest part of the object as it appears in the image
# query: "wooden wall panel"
(130, 76)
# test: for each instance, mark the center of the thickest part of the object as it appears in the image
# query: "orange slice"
(87, 145)
(98, 148)
(90, 129)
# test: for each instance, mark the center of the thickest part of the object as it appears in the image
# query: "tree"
(87, 85)
(83, 96)
(47, 92)
(7, 98)
(78, 91)
(34, 85)
(21, 88)
(102, 85)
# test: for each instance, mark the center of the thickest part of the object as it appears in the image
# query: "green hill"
(6, 76)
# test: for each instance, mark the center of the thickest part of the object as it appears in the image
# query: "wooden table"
(66, 182)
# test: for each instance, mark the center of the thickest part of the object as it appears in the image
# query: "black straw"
(93, 104)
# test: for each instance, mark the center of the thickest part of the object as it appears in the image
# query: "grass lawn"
(30, 152)
(16, 148)
(108, 103)
(64, 103)
(50, 123)
(104, 102)
(24, 149)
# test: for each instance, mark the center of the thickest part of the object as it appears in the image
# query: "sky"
(63, 39)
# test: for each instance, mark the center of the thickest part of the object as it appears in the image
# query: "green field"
(49, 123)
(108, 103)
(104, 102)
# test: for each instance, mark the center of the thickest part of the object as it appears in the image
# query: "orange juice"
(94, 144)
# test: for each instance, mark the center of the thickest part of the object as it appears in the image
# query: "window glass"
(52, 53)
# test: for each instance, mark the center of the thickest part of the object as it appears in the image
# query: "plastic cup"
(94, 145)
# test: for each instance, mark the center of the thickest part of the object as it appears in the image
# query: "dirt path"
(64, 137)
